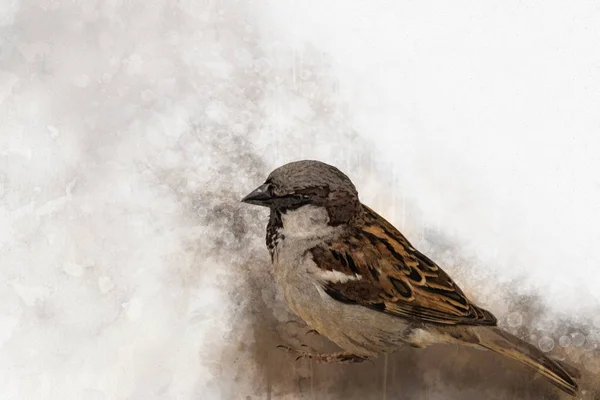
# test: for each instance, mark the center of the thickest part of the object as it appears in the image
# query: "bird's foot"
(301, 326)
(295, 322)
(330, 358)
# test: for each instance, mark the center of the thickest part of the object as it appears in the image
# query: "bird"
(351, 276)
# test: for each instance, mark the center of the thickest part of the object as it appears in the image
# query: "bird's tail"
(559, 374)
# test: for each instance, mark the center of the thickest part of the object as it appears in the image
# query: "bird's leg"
(301, 325)
(294, 322)
(341, 357)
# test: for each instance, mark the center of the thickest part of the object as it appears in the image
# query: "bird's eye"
(270, 188)
(305, 196)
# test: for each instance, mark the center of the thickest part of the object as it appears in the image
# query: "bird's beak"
(260, 196)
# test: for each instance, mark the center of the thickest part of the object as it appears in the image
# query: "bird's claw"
(341, 357)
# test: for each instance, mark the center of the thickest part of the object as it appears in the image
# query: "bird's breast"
(352, 327)
(300, 289)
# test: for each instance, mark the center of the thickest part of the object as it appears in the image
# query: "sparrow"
(355, 279)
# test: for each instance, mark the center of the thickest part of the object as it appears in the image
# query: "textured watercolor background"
(129, 130)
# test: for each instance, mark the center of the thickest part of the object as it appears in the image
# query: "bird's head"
(308, 183)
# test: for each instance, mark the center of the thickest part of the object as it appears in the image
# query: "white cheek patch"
(337, 276)
(306, 222)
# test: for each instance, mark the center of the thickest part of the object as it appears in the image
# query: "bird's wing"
(382, 271)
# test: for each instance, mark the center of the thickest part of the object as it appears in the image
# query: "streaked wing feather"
(395, 277)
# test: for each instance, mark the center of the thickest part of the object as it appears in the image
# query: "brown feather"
(395, 277)
(559, 374)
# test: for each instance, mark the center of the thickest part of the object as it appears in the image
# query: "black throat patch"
(273, 231)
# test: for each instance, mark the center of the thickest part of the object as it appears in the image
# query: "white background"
(129, 131)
